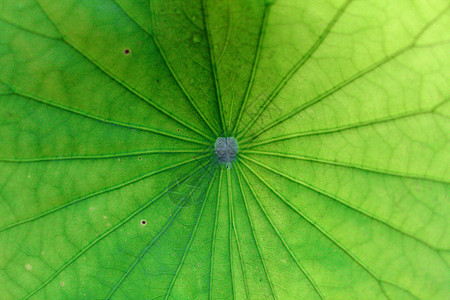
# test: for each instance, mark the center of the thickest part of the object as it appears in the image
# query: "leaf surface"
(109, 182)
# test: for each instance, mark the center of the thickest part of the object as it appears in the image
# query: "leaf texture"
(110, 186)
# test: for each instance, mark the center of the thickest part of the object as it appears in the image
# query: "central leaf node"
(226, 149)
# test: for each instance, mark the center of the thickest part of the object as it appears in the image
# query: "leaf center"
(226, 149)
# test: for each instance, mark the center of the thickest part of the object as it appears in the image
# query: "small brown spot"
(143, 222)
(127, 51)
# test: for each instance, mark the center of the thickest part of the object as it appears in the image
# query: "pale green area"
(340, 189)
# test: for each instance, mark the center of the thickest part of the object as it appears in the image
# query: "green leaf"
(119, 176)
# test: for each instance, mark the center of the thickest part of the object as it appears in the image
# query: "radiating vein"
(121, 82)
(230, 233)
(393, 284)
(252, 230)
(214, 67)
(216, 216)
(286, 246)
(29, 30)
(106, 121)
(155, 238)
(341, 85)
(321, 230)
(227, 37)
(342, 164)
(342, 202)
(106, 233)
(99, 156)
(248, 143)
(222, 54)
(261, 36)
(173, 73)
(101, 192)
(188, 246)
(297, 66)
(91, 244)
